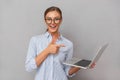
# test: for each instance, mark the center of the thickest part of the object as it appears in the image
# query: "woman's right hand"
(53, 48)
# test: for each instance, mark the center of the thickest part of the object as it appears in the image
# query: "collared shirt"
(52, 67)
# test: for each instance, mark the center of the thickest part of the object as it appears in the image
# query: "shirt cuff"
(31, 65)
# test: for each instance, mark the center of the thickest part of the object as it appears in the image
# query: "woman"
(46, 52)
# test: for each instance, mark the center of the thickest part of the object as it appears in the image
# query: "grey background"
(87, 23)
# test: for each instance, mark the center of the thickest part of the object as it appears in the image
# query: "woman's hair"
(53, 8)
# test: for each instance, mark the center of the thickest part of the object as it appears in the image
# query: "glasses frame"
(55, 20)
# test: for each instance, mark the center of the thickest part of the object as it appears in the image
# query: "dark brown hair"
(53, 8)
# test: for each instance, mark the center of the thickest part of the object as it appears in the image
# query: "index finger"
(60, 45)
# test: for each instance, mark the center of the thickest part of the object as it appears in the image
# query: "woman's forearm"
(41, 57)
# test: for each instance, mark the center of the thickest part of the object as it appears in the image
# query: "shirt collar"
(47, 34)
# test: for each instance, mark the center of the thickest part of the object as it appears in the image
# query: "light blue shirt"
(52, 67)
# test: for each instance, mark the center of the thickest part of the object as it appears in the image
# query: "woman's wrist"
(47, 51)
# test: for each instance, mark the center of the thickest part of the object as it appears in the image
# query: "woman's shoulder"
(38, 37)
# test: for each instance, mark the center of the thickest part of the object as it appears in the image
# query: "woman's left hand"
(93, 65)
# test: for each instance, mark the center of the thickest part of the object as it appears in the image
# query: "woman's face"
(53, 20)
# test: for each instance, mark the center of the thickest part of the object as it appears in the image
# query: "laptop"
(83, 63)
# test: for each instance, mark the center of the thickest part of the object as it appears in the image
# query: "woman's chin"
(52, 31)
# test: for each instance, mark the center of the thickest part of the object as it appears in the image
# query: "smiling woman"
(46, 52)
(53, 18)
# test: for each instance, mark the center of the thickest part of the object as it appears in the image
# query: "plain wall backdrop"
(87, 23)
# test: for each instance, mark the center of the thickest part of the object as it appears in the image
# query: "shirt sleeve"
(69, 56)
(30, 63)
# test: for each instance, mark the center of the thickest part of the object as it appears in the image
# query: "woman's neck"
(55, 35)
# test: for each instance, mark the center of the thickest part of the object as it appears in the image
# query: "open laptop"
(83, 63)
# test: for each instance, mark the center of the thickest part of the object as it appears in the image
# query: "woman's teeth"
(52, 26)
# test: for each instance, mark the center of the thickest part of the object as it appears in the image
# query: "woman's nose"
(53, 21)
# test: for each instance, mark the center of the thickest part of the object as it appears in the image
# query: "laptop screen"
(83, 63)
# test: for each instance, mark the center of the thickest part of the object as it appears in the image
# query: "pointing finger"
(60, 45)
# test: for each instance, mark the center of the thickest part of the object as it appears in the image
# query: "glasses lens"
(48, 20)
(55, 20)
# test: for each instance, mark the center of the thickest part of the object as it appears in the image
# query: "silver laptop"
(83, 63)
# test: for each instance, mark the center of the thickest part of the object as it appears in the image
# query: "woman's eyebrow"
(53, 17)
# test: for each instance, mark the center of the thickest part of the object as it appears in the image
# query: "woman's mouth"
(53, 26)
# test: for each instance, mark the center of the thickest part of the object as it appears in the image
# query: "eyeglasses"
(55, 20)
